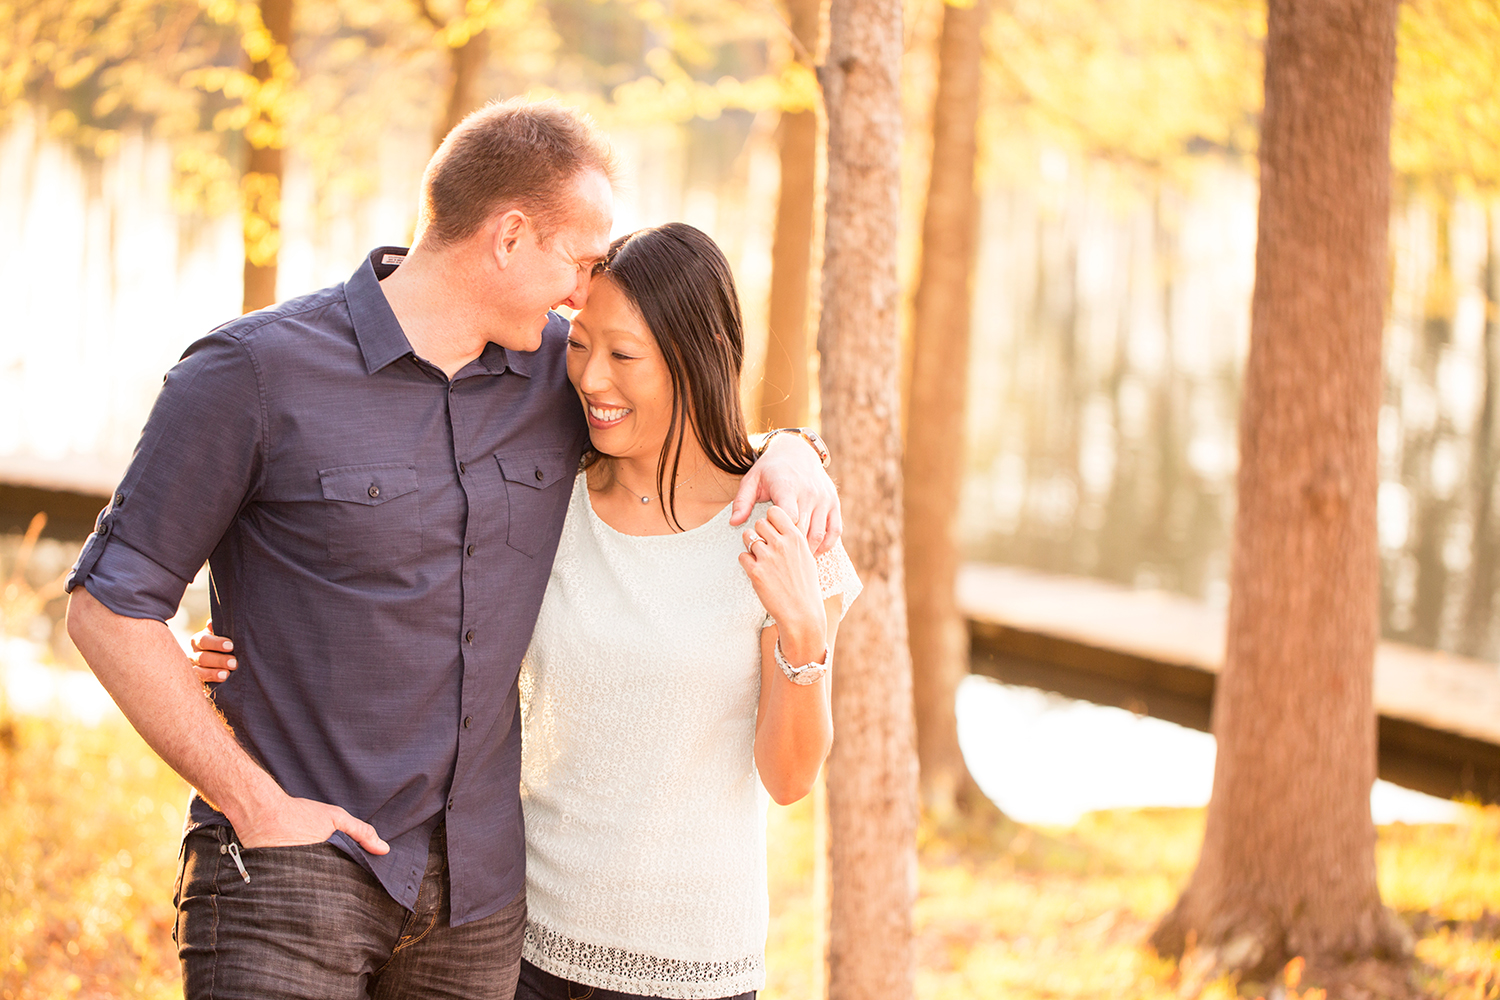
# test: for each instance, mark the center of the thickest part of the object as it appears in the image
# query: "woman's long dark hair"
(679, 280)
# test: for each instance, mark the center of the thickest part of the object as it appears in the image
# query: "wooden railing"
(1158, 654)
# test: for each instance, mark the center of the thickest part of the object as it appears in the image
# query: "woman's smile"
(606, 416)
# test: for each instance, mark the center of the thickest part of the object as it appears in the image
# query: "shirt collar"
(379, 333)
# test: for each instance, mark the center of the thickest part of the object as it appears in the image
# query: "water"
(1047, 760)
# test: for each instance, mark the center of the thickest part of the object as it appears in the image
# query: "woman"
(675, 659)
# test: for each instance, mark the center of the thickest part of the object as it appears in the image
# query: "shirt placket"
(480, 510)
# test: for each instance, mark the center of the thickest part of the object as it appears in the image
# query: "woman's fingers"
(207, 641)
(213, 661)
(781, 521)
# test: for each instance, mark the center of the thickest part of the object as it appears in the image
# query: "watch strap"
(808, 673)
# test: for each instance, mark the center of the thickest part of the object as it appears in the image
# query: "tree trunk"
(934, 462)
(466, 64)
(872, 800)
(784, 388)
(1288, 863)
(260, 185)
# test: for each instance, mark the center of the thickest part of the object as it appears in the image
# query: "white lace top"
(645, 818)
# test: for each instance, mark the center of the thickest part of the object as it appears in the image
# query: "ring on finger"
(751, 547)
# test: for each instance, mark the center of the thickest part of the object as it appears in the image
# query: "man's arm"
(140, 665)
(790, 474)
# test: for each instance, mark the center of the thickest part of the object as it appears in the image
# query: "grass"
(1062, 914)
(89, 822)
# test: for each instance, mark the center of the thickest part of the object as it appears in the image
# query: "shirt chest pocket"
(536, 487)
(372, 518)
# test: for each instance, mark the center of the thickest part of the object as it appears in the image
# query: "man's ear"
(507, 230)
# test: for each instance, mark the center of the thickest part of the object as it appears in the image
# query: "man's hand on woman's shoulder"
(790, 474)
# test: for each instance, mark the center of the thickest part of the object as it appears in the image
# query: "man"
(377, 474)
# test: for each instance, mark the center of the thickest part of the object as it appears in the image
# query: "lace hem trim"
(633, 972)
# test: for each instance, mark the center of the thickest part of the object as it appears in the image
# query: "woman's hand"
(780, 564)
(210, 657)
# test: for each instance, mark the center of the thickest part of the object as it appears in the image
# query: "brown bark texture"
(934, 461)
(872, 774)
(465, 66)
(261, 183)
(784, 388)
(1288, 864)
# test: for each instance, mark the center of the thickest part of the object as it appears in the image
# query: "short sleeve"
(835, 576)
(197, 462)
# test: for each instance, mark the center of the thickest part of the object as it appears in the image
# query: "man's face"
(555, 272)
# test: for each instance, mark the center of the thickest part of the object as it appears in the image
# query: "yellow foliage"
(1152, 82)
(1447, 110)
(89, 821)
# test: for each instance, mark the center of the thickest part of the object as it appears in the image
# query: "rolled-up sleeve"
(198, 462)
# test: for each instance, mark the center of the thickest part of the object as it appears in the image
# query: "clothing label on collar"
(392, 258)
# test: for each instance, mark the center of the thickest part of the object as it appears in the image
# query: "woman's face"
(620, 375)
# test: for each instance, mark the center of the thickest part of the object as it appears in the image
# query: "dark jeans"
(538, 984)
(313, 923)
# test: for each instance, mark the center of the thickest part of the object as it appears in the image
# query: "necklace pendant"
(645, 500)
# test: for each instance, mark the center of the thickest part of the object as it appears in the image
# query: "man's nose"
(580, 293)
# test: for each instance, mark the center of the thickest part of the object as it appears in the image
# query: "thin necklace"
(645, 499)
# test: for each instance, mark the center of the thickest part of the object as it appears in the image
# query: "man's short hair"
(509, 154)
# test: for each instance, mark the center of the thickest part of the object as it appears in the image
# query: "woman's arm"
(793, 723)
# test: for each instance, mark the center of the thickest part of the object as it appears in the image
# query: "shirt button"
(469, 637)
(470, 550)
(539, 476)
(374, 492)
(468, 721)
(119, 499)
(462, 468)
(450, 803)
(103, 529)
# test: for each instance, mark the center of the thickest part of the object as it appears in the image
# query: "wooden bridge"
(70, 491)
(1158, 654)
(1152, 653)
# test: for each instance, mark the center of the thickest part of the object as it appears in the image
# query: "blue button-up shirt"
(379, 539)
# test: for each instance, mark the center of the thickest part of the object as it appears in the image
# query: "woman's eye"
(622, 357)
(574, 345)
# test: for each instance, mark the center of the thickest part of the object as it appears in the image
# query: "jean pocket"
(372, 515)
(536, 488)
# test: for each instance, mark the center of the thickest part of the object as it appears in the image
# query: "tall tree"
(268, 48)
(784, 388)
(465, 38)
(872, 805)
(934, 458)
(1288, 860)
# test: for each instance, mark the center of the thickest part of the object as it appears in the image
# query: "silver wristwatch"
(808, 673)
